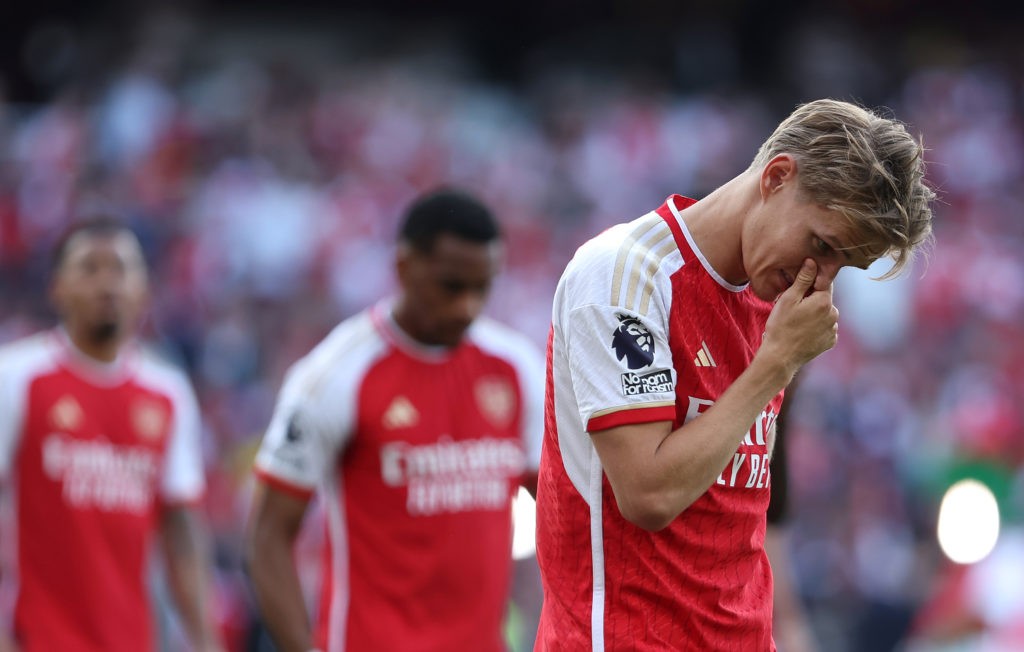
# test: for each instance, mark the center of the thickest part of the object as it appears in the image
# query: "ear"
(55, 294)
(403, 263)
(777, 173)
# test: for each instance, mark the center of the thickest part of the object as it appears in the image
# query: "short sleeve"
(19, 363)
(314, 417)
(612, 309)
(12, 408)
(620, 366)
(311, 424)
(531, 381)
(183, 479)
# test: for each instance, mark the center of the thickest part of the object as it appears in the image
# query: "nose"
(468, 307)
(827, 272)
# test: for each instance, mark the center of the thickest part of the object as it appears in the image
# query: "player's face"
(100, 287)
(789, 229)
(445, 290)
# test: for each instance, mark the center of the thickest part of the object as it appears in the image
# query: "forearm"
(691, 457)
(184, 547)
(279, 593)
(189, 591)
(7, 643)
(657, 474)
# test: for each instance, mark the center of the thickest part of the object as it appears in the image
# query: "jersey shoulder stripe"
(21, 361)
(319, 397)
(647, 244)
(501, 341)
(27, 356)
(356, 335)
(161, 374)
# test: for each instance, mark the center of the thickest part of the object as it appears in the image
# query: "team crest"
(66, 414)
(149, 419)
(634, 342)
(400, 414)
(496, 400)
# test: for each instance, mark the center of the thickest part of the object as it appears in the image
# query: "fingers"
(804, 280)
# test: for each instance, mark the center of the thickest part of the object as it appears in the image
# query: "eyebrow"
(832, 242)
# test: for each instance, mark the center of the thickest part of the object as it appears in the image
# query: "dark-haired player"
(99, 450)
(417, 420)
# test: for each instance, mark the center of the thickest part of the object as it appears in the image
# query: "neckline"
(384, 319)
(96, 371)
(677, 213)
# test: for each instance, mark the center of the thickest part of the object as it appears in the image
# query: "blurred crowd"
(265, 177)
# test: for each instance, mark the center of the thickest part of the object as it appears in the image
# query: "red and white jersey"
(417, 452)
(644, 330)
(88, 454)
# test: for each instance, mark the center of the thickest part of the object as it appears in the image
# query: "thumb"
(805, 278)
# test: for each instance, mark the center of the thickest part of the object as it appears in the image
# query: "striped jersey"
(645, 330)
(417, 452)
(88, 454)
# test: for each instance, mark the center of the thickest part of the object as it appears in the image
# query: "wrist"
(773, 370)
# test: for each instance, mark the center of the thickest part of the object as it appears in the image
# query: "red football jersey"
(417, 452)
(88, 452)
(643, 330)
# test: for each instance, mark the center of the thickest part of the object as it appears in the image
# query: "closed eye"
(822, 247)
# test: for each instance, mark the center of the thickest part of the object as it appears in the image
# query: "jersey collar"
(384, 320)
(96, 371)
(673, 203)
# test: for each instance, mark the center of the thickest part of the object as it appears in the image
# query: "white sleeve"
(615, 327)
(12, 409)
(516, 349)
(311, 424)
(183, 479)
(18, 362)
(532, 382)
(531, 371)
(617, 360)
(314, 418)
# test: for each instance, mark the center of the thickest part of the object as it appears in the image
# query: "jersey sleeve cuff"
(630, 415)
(292, 489)
(192, 500)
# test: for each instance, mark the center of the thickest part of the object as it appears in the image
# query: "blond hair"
(866, 167)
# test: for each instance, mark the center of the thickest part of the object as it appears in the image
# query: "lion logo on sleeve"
(634, 342)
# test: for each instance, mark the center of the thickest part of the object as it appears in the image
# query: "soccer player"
(673, 338)
(99, 451)
(417, 419)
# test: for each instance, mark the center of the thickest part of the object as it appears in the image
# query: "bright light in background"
(524, 525)
(968, 522)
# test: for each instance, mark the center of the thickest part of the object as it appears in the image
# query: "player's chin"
(104, 330)
(452, 335)
(769, 292)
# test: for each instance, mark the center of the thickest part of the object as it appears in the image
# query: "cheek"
(428, 301)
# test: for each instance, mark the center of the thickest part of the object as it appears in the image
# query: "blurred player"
(416, 419)
(99, 450)
(672, 340)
